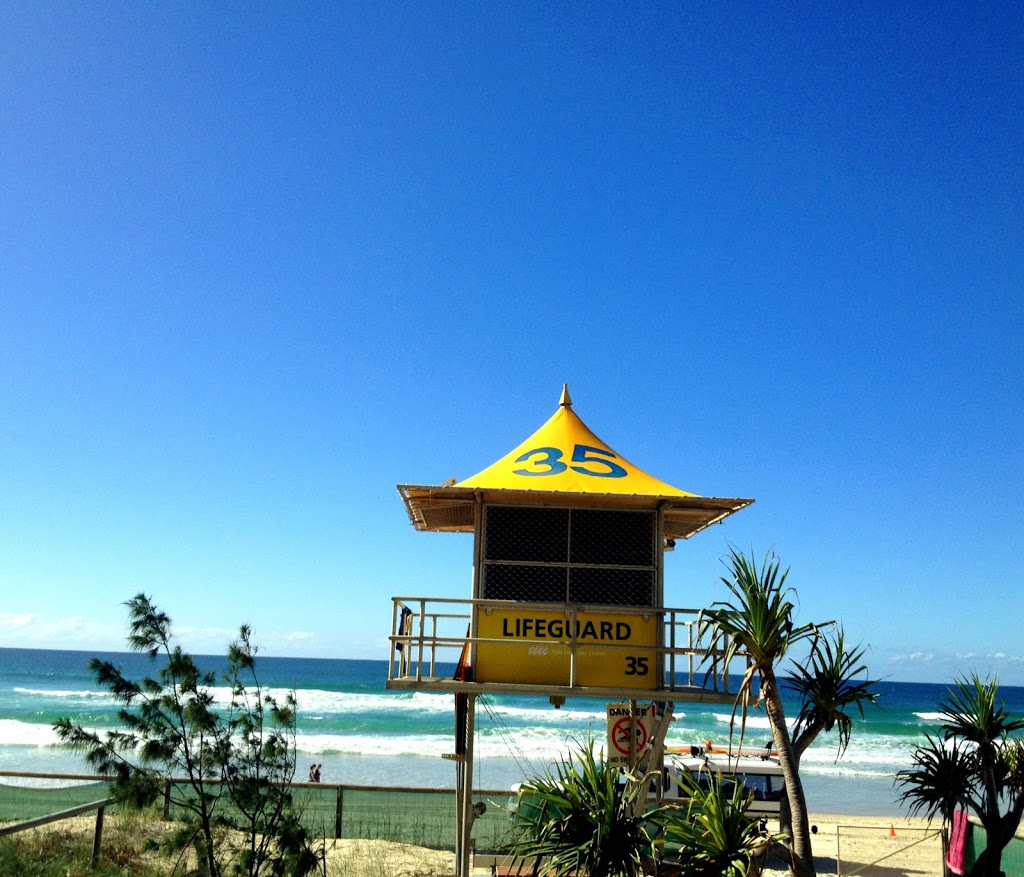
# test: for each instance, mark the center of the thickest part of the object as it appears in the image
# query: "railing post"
(672, 651)
(574, 627)
(167, 800)
(433, 647)
(689, 654)
(98, 839)
(397, 627)
(337, 812)
(419, 650)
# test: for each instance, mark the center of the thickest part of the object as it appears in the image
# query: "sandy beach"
(864, 845)
(847, 845)
(872, 846)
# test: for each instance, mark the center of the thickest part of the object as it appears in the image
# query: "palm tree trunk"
(802, 862)
(992, 818)
(785, 817)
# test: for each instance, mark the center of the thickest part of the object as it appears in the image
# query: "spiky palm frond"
(759, 620)
(942, 779)
(831, 683)
(973, 712)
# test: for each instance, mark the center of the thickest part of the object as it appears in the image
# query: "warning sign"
(629, 732)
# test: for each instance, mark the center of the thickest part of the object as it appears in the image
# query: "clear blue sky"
(261, 262)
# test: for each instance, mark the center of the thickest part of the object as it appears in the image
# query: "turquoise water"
(366, 735)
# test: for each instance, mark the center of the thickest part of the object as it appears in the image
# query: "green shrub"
(712, 835)
(581, 819)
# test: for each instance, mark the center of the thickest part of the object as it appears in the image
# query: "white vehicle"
(759, 773)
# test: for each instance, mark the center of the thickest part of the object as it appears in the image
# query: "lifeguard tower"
(568, 587)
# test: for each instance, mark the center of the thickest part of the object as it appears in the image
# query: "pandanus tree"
(758, 623)
(977, 765)
(832, 684)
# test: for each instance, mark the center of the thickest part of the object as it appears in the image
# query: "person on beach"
(316, 773)
(313, 774)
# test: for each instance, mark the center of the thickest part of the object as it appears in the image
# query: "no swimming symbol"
(621, 734)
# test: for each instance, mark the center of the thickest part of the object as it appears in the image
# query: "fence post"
(337, 813)
(98, 838)
(167, 799)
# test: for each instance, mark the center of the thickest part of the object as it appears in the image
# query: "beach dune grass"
(66, 850)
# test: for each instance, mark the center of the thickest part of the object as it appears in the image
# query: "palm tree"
(758, 624)
(941, 779)
(831, 684)
(977, 765)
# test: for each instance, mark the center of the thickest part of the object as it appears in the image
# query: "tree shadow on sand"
(827, 865)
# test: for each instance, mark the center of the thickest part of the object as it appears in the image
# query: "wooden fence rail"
(336, 809)
(98, 806)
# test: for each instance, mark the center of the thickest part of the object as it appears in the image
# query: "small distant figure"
(316, 773)
(314, 776)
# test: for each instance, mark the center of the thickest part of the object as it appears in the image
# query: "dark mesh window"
(515, 533)
(623, 538)
(553, 555)
(612, 587)
(530, 584)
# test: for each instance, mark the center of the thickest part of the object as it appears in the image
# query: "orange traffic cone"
(892, 830)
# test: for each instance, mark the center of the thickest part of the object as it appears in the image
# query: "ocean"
(364, 734)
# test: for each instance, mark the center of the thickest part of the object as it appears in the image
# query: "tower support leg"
(464, 794)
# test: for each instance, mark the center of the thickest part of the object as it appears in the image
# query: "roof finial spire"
(565, 401)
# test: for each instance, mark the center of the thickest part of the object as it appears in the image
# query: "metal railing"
(428, 632)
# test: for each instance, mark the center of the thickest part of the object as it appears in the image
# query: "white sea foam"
(543, 715)
(759, 722)
(414, 726)
(57, 693)
(313, 701)
(320, 702)
(15, 733)
(845, 770)
(854, 760)
(534, 746)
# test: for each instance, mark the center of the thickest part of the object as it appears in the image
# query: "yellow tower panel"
(536, 647)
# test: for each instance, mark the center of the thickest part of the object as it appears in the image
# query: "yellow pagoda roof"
(563, 463)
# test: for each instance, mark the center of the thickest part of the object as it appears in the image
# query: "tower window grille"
(560, 555)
